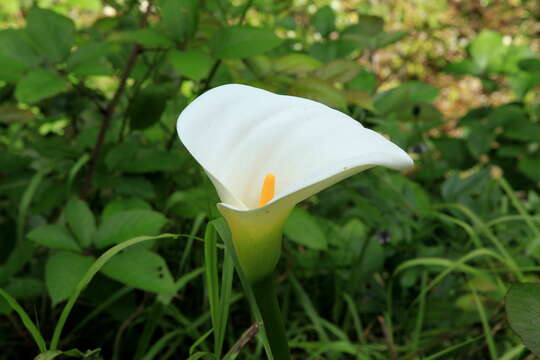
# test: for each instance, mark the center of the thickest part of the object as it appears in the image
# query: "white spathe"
(239, 134)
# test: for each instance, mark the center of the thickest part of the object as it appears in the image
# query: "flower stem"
(265, 296)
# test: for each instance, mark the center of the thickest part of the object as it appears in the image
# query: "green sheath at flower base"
(257, 238)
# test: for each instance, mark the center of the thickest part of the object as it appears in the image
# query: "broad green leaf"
(338, 71)
(522, 304)
(146, 37)
(524, 82)
(368, 33)
(532, 65)
(63, 271)
(454, 152)
(297, 64)
(530, 167)
(17, 46)
(407, 94)
(303, 229)
(191, 63)
(123, 205)
(88, 52)
(321, 91)
(360, 98)
(142, 269)
(90, 59)
(480, 140)
(127, 158)
(324, 20)
(464, 67)
(516, 123)
(38, 85)
(54, 236)
(236, 42)
(365, 33)
(128, 224)
(324, 51)
(365, 81)
(388, 38)
(133, 186)
(487, 50)
(11, 70)
(146, 107)
(516, 55)
(364, 253)
(368, 25)
(81, 221)
(52, 34)
(179, 18)
(191, 202)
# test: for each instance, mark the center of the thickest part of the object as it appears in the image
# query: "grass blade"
(28, 323)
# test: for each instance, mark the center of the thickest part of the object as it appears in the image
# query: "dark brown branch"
(108, 112)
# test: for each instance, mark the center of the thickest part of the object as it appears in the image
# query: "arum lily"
(265, 153)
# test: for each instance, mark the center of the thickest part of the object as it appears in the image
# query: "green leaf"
(81, 221)
(297, 64)
(532, 65)
(90, 59)
(52, 34)
(38, 85)
(388, 38)
(365, 34)
(529, 166)
(146, 37)
(487, 50)
(409, 93)
(128, 158)
(368, 25)
(54, 236)
(11, 70)
(365, 81)
(236, 42)
(516, 123)
(63, 272)
(17, 46)
(364, 253)
(191, 63)
(146, 107)
(179, 18)
(303, 229)
(480, 140)
(324, 20)
(141, 269)
(360, 98)
(128, 224)
(523, 310)
(338, 71)
(118, 206)
(465, 67)
(321, 91)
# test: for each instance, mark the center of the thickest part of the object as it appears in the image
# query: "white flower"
(245, 137)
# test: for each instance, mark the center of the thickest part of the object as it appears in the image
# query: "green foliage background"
(382, 266)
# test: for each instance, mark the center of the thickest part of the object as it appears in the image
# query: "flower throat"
(268, 189)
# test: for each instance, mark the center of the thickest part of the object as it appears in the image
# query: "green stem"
(265, 296)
